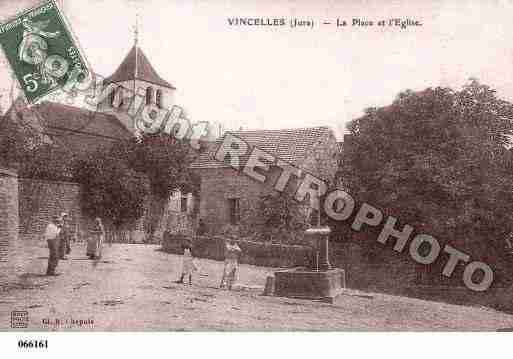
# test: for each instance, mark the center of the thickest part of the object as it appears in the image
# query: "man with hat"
(51, 235)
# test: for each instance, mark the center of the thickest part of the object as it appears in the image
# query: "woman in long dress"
(95, 241)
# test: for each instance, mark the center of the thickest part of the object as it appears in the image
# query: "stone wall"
(40, 200)
(217, 187)
(221, 184)
(8, 210)
(254, 253)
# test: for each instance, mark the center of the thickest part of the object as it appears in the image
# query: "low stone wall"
(255, 253)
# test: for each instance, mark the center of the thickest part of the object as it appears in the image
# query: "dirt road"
(131, 289)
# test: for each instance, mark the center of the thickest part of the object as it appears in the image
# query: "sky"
(269, 78)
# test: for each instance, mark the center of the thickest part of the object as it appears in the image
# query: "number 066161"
(33, 344)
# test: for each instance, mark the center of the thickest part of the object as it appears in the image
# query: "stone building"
(228, 197)
(81, 132)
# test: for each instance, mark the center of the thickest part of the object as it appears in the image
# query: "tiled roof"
(77, 129)
(291, 145)
(72, 118)
(145, 72)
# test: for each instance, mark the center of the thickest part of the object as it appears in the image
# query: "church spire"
(136, 67)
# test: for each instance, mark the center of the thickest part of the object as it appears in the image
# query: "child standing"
(188, 265)
(231, 264)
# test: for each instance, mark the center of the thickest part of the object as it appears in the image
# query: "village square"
(124, 213)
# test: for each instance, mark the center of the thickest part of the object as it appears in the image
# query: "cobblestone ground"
(131, 289)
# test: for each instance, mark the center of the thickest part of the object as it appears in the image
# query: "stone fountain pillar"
(320, 281)
(319, 239)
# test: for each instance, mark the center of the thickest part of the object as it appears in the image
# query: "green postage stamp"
(41, 50)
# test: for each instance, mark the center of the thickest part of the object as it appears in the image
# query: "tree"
(437, 160)
(282, 217)
(114, 183)
(165, 161)
(110, 188)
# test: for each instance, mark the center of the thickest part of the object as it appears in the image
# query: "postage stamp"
(41, 50)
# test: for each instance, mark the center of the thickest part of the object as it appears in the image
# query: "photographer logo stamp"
(19, 319)
(41, 50)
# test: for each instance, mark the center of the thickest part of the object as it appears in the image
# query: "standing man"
(52, 232)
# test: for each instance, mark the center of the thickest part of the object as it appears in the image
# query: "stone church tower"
(136, 74)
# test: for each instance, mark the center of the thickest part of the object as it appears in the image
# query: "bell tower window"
(158, 98)
(149, 95)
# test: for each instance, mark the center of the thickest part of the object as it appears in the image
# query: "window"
(149, 95)
(158, 98)
(234, 210)
(112, 96)
(116, 97)
(183, 204)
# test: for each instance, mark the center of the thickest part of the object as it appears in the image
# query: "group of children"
(231, 264)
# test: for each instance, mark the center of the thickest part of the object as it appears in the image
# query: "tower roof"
(145, 72)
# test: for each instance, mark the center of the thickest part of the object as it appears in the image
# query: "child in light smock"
(188, 266)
